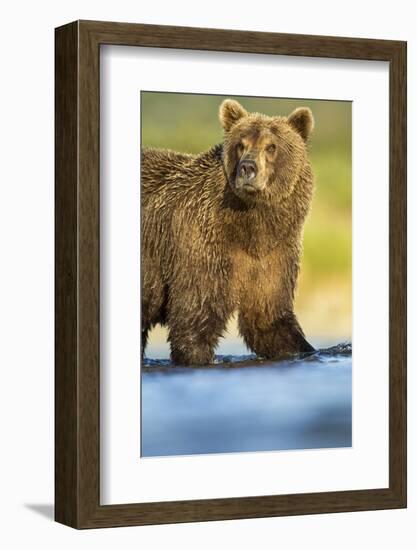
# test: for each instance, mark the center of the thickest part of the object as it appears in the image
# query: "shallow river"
(243, 405)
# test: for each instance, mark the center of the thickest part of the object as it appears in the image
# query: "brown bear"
(222, 232)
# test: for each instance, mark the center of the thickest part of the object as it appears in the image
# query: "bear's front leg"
(191, 351)
(194, 336)
(273, 339)
(267, 321)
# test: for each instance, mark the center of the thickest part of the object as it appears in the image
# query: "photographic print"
(246, 232)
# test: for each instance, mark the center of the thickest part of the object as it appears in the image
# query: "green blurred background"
(189, 123)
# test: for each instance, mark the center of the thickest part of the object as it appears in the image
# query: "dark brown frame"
(77, 373)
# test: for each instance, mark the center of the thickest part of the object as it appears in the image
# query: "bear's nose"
(247, 169)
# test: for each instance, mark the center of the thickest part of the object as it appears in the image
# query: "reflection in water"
(244, 404)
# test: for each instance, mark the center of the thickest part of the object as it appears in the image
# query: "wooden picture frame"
(77, 372)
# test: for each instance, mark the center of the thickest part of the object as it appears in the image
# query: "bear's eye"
(271, 148)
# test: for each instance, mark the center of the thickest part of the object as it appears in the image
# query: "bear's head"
(263, 155)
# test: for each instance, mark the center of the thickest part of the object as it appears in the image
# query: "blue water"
(242, 404)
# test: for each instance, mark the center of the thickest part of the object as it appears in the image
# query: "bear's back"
(160, 167)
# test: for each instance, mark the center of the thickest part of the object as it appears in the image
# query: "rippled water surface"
(244, 404)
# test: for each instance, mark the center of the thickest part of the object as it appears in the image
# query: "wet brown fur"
(209, 251)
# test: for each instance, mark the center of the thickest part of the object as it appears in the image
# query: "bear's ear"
(302, 121)
(230, 112)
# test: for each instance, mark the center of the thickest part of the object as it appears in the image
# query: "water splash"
(333, 353)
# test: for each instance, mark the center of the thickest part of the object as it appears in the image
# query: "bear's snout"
(247, 169)
(247, 181)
